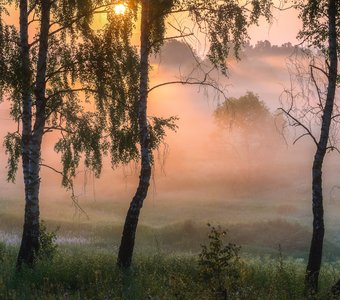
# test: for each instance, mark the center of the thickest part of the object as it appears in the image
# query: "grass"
(256, 238)
(83, 274)
(166, 256)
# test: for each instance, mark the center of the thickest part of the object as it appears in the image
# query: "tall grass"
(78, 273)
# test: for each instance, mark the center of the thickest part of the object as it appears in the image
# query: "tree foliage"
(247, 112)
(225, 24)
(314, 32)
(92, 85)
(219, 262)
(65, 111)
(248, 120)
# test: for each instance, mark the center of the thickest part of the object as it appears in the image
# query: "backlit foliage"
(246, 112)
(92, 85)
(225, 24)
(315, 24)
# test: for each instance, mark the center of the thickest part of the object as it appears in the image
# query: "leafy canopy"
(93, 75)
(247, 112)
(91, 85)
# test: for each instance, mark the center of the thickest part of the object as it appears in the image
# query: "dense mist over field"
(203, 172)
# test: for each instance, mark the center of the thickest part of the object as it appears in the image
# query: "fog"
(202, 172)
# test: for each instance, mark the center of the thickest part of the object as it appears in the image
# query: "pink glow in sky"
(284, 28)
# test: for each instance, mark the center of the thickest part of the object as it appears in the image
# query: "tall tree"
(31, 140)
(331, 9)
(130, 226)
(225, 24)
(321, 33)
(54, 65)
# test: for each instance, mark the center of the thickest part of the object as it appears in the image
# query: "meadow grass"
(166, 264)
(79, 273)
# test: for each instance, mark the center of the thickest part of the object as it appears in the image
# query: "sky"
(284, 28)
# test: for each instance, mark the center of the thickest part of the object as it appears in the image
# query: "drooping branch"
(71, 186)
(299, 123)
(57, 128)
(190, 82)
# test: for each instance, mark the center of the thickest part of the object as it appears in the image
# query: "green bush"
(2, 252)
(219, 263)
(48, 246)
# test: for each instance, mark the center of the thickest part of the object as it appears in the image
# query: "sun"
(119, 9)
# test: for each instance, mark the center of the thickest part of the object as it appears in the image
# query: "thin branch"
(332, 148)
(67, 91)
(32, 21)
(88, 90)
(336, 116)
(58, 128)
(300, 137)
(282, 7)
(73, 196)
(61, 69)
(177, 36)
(33, 7)
(298, 123)
(319, 69)
(316, 86)
(187, 82)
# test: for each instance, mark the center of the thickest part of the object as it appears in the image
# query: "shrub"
(219, 263)
(48, 245)
(2, 252)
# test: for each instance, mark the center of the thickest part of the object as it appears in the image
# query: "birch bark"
(131, 221)
(315, 254)
(31, 140)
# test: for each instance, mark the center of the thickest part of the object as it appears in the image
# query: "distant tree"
(287, 45)
(245, 113)
(221, 23)
(316, 113)
(251, 129)
(263, 46)
(248, 117)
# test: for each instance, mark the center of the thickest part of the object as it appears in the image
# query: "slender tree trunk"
(30, 241)
(315, 254)
(32, 141)
(131, 221)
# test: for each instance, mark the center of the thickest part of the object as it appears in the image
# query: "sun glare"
(120, 9)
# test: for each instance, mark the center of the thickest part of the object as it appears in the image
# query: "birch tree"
(317, 113)
(225, 25)
(54, 65)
